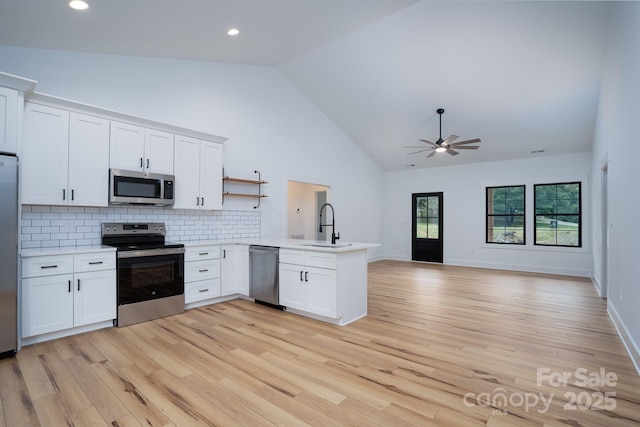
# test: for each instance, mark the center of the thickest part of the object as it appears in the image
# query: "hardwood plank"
(35, 377)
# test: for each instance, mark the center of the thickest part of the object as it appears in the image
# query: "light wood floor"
(441, 345)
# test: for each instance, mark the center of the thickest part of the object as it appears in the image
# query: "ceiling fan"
(444, 145)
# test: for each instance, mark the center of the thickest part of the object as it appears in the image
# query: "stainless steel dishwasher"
(263, 275)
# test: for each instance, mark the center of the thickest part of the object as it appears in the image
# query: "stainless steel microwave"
(140, 188)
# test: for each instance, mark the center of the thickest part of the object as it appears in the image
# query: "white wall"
(271, 126)
(464, 212)
(617, 138)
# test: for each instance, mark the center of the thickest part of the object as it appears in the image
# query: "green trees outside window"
(558, 214)
(506, 215)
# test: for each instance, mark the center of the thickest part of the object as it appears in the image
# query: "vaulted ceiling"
(523, 76)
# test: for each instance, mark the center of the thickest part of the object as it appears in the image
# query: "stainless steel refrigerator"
(8, 255)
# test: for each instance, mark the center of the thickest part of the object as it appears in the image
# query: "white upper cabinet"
(198, 171)
(12, 93)
(64, 158)
(88, 160)
(136, 148)
(158, 149)
(45, 155)
(8, 120)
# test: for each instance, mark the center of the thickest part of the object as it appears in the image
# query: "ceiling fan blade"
(467, 147)
(419, 151)
(428, 142)
(453, 153)
(450, 139)
(469, 141)
(433, 153)
(415, 146)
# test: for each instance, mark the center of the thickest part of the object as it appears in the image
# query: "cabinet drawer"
(47, 265)
(201, 270)
(94, 261)
(201, 252)
(288, 256)
(201, 290)
(322, 260)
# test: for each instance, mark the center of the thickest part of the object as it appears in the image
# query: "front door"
(426, 227)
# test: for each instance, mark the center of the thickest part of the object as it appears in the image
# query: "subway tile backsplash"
(51, 226)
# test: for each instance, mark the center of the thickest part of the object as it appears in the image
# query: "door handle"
(141, 162)
(203, 201)
(147, 163)
(73, 195)
(78, 284)
(64, 194)
(301, 275)
(306, 276)
(197, 201)
(224, 253)
(69, 290)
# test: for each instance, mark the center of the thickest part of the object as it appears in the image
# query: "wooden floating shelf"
(243, 181)
(226, 193)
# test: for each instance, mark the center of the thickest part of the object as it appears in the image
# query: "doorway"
(426, 227)
(303, 202)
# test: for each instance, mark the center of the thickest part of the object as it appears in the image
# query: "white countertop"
(306, 245)
(65, 250)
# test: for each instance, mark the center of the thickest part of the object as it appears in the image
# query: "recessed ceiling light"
(233, 32)
(78, 4)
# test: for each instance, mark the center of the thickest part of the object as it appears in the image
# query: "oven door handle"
(150, 252)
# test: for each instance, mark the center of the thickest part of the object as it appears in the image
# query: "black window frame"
(523, 215)
(556, 214)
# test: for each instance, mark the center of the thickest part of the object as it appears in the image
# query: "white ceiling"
(521, 75)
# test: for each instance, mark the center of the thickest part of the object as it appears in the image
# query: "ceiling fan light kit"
(445, 145)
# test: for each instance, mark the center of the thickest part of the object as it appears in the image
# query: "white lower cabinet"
(234, 273)
(201, 273)
(67, 291)
(308, 282)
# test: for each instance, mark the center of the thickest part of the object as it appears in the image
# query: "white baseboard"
(625, 336)
(597, 285)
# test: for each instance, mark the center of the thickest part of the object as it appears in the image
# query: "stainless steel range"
(150, 271)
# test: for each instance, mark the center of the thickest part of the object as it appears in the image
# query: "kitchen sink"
(328, 245)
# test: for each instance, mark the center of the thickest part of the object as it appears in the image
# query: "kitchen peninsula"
(317, 279)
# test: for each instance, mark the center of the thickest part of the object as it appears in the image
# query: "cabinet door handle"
(224, 253)
(203, 201)
(203, 271)
(78, 284)
(95, 263)
(147, 163)
(141, 162)
(73, 195)
(64, 194)
(48, 266)
(69, 290)
(203, 253)
(197, 201)
(301, 276)
(203, 290)
(306, 276)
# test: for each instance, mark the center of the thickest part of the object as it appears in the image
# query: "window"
(505, 215)
(428, 217)
(558, 214)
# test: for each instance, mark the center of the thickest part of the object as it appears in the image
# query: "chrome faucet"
(332, 225)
